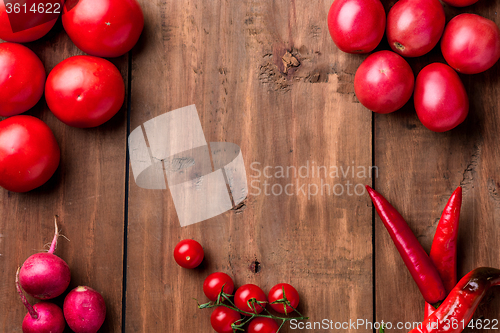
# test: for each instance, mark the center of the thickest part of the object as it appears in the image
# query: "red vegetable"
(384, 82)
(84, 310)
(188, 253)
(84, 91)
(454, 314)
(276, 293)
(440, 98)
(356, 26)
(471, 43)
(444, 246)
(244, 295)
(416, 260)
(22, 78)
(222, 318)
(414, 27)
(263, 325)
(42, 317)
(212, 285)
(103, 28)
(460, 3)
(45, 275)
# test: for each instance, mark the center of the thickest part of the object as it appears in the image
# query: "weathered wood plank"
(87, 192)
(419, 170)
(226, 57)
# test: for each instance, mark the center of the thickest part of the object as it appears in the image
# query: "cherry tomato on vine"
(188, 253)
(103, 28)
(222, 318)
(263, 325)
(356, 26)
(471, 43)
(29, 153)
(22, 78)
(84, 91)
(276, 293)
(212, 285)
(247, 292)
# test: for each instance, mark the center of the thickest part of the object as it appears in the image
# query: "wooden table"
(229, 59)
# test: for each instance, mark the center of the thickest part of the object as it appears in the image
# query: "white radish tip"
(81, 289)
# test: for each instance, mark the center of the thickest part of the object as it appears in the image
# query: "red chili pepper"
(444, 245)
(454, 314)
(414, 256)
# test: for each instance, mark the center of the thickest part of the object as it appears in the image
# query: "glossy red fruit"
(222, 318)
(356, 26)
(213, 284)
(188, 253)
(247, 292)
(440, 98)
(22, 78)
(460, 3)
(29, 153)
(50, 319)
(35, 31)
(276, 293)
(384, 82)
(84, 91)
(103, 28)
(414, 27)
(263, 325)
(471, 43)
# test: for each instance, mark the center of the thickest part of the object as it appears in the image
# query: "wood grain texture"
(419, 170)
(87, 192)
(230, 59)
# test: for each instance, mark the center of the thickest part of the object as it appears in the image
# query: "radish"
(44, 275)
(43, 317)
(84, 310)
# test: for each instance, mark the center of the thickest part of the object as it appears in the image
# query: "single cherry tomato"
(384, 82)
(440, 98)
(29, 153)
(276, 293)
(188, 253)
(247, 292)
(471, 43)
(414, 27)
(103, 28)
(460, 3)
(263, 325)
(84, 91)
(212, 285)
(356, 26)
(222, 318)
(22, 78)
(28, 24)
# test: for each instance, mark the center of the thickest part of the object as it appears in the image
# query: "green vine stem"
(238, 325)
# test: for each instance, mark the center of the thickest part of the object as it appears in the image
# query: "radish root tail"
(56, 235)
(27, 304)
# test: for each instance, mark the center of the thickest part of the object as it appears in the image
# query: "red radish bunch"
(470, 44)
(84, 310)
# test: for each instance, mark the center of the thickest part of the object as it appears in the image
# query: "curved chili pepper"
(444, 246)
(414, 256)
(454, 314)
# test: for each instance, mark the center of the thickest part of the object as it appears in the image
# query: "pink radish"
(84, 310)
(44, 275)
(43, 317)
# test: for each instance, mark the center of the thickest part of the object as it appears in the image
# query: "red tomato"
(22, 77)
(29, 154)
(356, 26)
(84, 91)
(276, 293)
(35, 31)
(212, 285)
(460, 3)
(247, 292)
(414, 27)
(384, 82)
(440, 98)
(471, 43)
(222, 318)
(263, 325)
(104, 28)
(188, 253)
